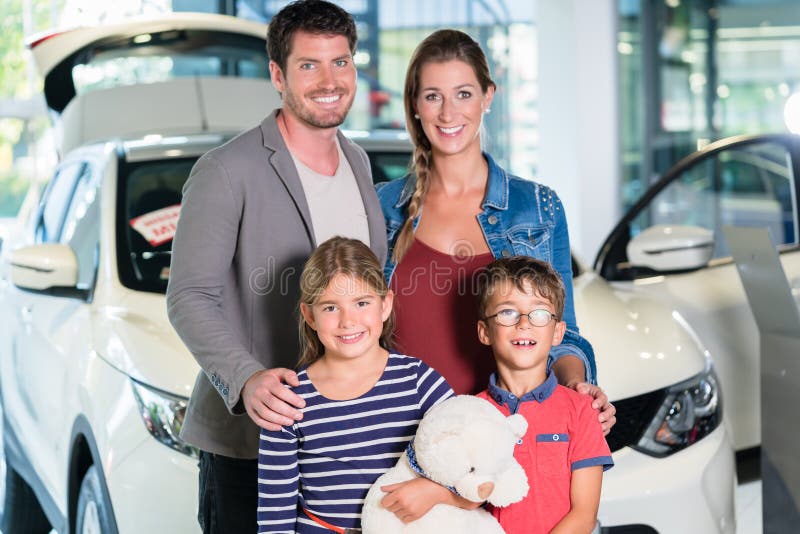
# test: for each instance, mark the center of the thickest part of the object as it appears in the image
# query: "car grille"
(633, 416)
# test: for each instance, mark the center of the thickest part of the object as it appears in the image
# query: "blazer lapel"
(283, 165)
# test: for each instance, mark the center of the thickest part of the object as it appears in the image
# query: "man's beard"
(320, 119)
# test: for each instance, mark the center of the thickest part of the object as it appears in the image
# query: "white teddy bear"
(466, 444)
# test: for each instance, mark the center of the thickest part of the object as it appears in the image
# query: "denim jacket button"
(492, 219)
(506, 253)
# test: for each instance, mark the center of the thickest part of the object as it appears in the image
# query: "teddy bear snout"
(485, 489)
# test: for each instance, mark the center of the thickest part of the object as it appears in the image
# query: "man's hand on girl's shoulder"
(268, 402)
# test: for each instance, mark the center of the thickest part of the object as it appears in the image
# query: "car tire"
(21, 510)
(94, 512)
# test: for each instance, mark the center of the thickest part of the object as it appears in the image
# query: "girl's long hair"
(338, 255)
(438, 47)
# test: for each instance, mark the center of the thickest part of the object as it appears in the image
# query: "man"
(253, 210)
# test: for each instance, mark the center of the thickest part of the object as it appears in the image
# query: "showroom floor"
(748, 508)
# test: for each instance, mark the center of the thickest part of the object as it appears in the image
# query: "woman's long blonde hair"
(438, 47)
(338, 255)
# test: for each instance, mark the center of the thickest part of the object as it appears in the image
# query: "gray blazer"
(243, 235)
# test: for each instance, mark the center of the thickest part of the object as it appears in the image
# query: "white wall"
(579, 153)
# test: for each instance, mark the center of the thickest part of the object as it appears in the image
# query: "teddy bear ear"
(518, 424)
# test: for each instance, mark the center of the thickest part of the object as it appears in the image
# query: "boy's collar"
(539, 394)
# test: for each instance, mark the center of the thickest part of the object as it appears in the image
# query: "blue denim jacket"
(519, 217)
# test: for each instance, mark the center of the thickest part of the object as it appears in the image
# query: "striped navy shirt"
(327, 462)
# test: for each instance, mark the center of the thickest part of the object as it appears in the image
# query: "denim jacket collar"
(496, 188)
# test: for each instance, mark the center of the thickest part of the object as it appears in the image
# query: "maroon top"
(436, 312)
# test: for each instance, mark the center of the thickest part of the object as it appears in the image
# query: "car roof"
(157, 147)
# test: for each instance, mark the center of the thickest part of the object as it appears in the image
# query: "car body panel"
(681, 495)
(136, 337)
(711, 299)
(633, 336)
(172, 508)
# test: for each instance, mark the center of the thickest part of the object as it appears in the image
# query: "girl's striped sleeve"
(432, 388)
(278, 481)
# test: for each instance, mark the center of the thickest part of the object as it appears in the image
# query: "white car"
(94, 380)
(670, 246)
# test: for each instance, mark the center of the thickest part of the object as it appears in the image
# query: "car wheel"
(94, 513)
(21, 510)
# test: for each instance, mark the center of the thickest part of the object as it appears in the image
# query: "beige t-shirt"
(334, 201)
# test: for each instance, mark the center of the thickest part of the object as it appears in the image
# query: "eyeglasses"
(511, 317)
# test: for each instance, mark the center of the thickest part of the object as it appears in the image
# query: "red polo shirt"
(563, 435)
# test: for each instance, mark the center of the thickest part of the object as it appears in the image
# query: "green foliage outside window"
(18, 84)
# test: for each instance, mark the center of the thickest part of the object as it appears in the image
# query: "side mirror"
(671, 248)
(42, 267)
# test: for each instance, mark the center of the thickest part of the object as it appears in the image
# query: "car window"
(56, 202)
(388, 166)
(749, 185)
(82, 226)
(149, 204)
(162, 56)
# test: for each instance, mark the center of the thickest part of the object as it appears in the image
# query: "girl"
(362, 403)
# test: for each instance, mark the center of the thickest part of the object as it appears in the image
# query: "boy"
(563, 452)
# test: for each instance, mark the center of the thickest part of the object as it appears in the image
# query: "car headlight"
(163, 416)
(691, 410)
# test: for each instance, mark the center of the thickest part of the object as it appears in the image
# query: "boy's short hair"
(522, 270)
(313, 16)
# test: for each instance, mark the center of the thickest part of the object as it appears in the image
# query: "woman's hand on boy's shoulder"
(608, 412)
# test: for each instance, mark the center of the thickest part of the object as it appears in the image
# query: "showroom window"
(389, 30)
(693, 71)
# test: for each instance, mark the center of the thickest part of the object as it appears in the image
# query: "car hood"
(640, 344)
(135, 336)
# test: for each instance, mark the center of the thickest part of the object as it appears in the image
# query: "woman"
(474, 212)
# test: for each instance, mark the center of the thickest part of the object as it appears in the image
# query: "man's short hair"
(313, 16)
(525, 273)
